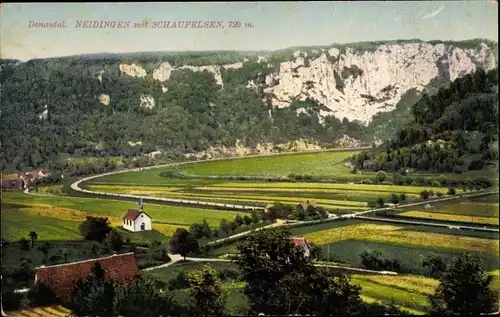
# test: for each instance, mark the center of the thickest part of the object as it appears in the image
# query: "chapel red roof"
(299, 242)
(131, 214)
(61, 278)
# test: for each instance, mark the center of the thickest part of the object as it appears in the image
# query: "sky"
(276, 25)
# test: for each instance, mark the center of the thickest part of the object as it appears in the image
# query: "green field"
(313, 164)
(58, 217)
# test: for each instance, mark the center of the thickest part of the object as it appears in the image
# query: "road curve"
(76, 185)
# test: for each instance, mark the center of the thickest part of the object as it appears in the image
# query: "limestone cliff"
(352, 83)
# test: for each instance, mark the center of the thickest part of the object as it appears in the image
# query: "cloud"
(435, 12)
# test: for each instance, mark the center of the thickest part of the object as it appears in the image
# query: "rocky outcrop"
(352, 84)
(133, 70)
(357, 85)
(147, 101)
(104, 99)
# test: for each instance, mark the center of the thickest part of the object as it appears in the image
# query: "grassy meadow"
(58, 217)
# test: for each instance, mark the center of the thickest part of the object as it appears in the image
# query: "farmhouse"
(302, 243)
(136, 219)
(61, 278)
(30, 177)
(307, 204)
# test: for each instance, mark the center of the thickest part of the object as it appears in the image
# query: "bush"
(380, 176)
(11, 300)
(307, 178)
(40, 295)
(451, 191)
(475, 165)
(179, 282)
(229, 274)
(439, 194)
(424, 194)
(436, 183)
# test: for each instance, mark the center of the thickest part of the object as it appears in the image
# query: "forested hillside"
(455, 130)
(118, 104)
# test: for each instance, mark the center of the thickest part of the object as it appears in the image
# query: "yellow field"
(396, 235)
(357, 231)
(342, 187)
(166, 229)
(62, 213)
(48, 311)
(450, 217)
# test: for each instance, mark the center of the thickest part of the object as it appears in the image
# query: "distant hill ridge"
(190, 102)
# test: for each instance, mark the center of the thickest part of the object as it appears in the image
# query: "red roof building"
(303, 244)
(62, 278)
(131, 214)
(136, 220)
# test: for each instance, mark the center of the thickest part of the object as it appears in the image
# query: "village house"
(30, 177)
(61, 278)
(302, 243)
(307, 203)
(136, 220)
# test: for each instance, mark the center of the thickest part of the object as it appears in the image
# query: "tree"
(205, 290)
(316, 252)
(255, 217)
(95, 228)
(183, 243)
(24, 244)
(380, 176)
(45, 249)
(114, 240)
(33, 236)
(380, 202)
(247, 220)
(394, 199)
(200, 230)
(238, 220)
(143, 298)
(436, 265)
(424, 194)
(41, 295)
(93, 296)
(402, 197)
(280, 280)
(463, 289)
(225, 226)
(233, 226)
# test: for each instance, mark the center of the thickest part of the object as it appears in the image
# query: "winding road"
(76, 185)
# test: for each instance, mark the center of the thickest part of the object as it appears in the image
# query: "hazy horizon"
(277, 26)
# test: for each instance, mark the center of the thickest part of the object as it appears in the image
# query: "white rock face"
(233, 66)
(45, 113)
(99, 75)
(133, 70)
(163, 72)
(386, 74)
(104, 99)
(147, 101)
